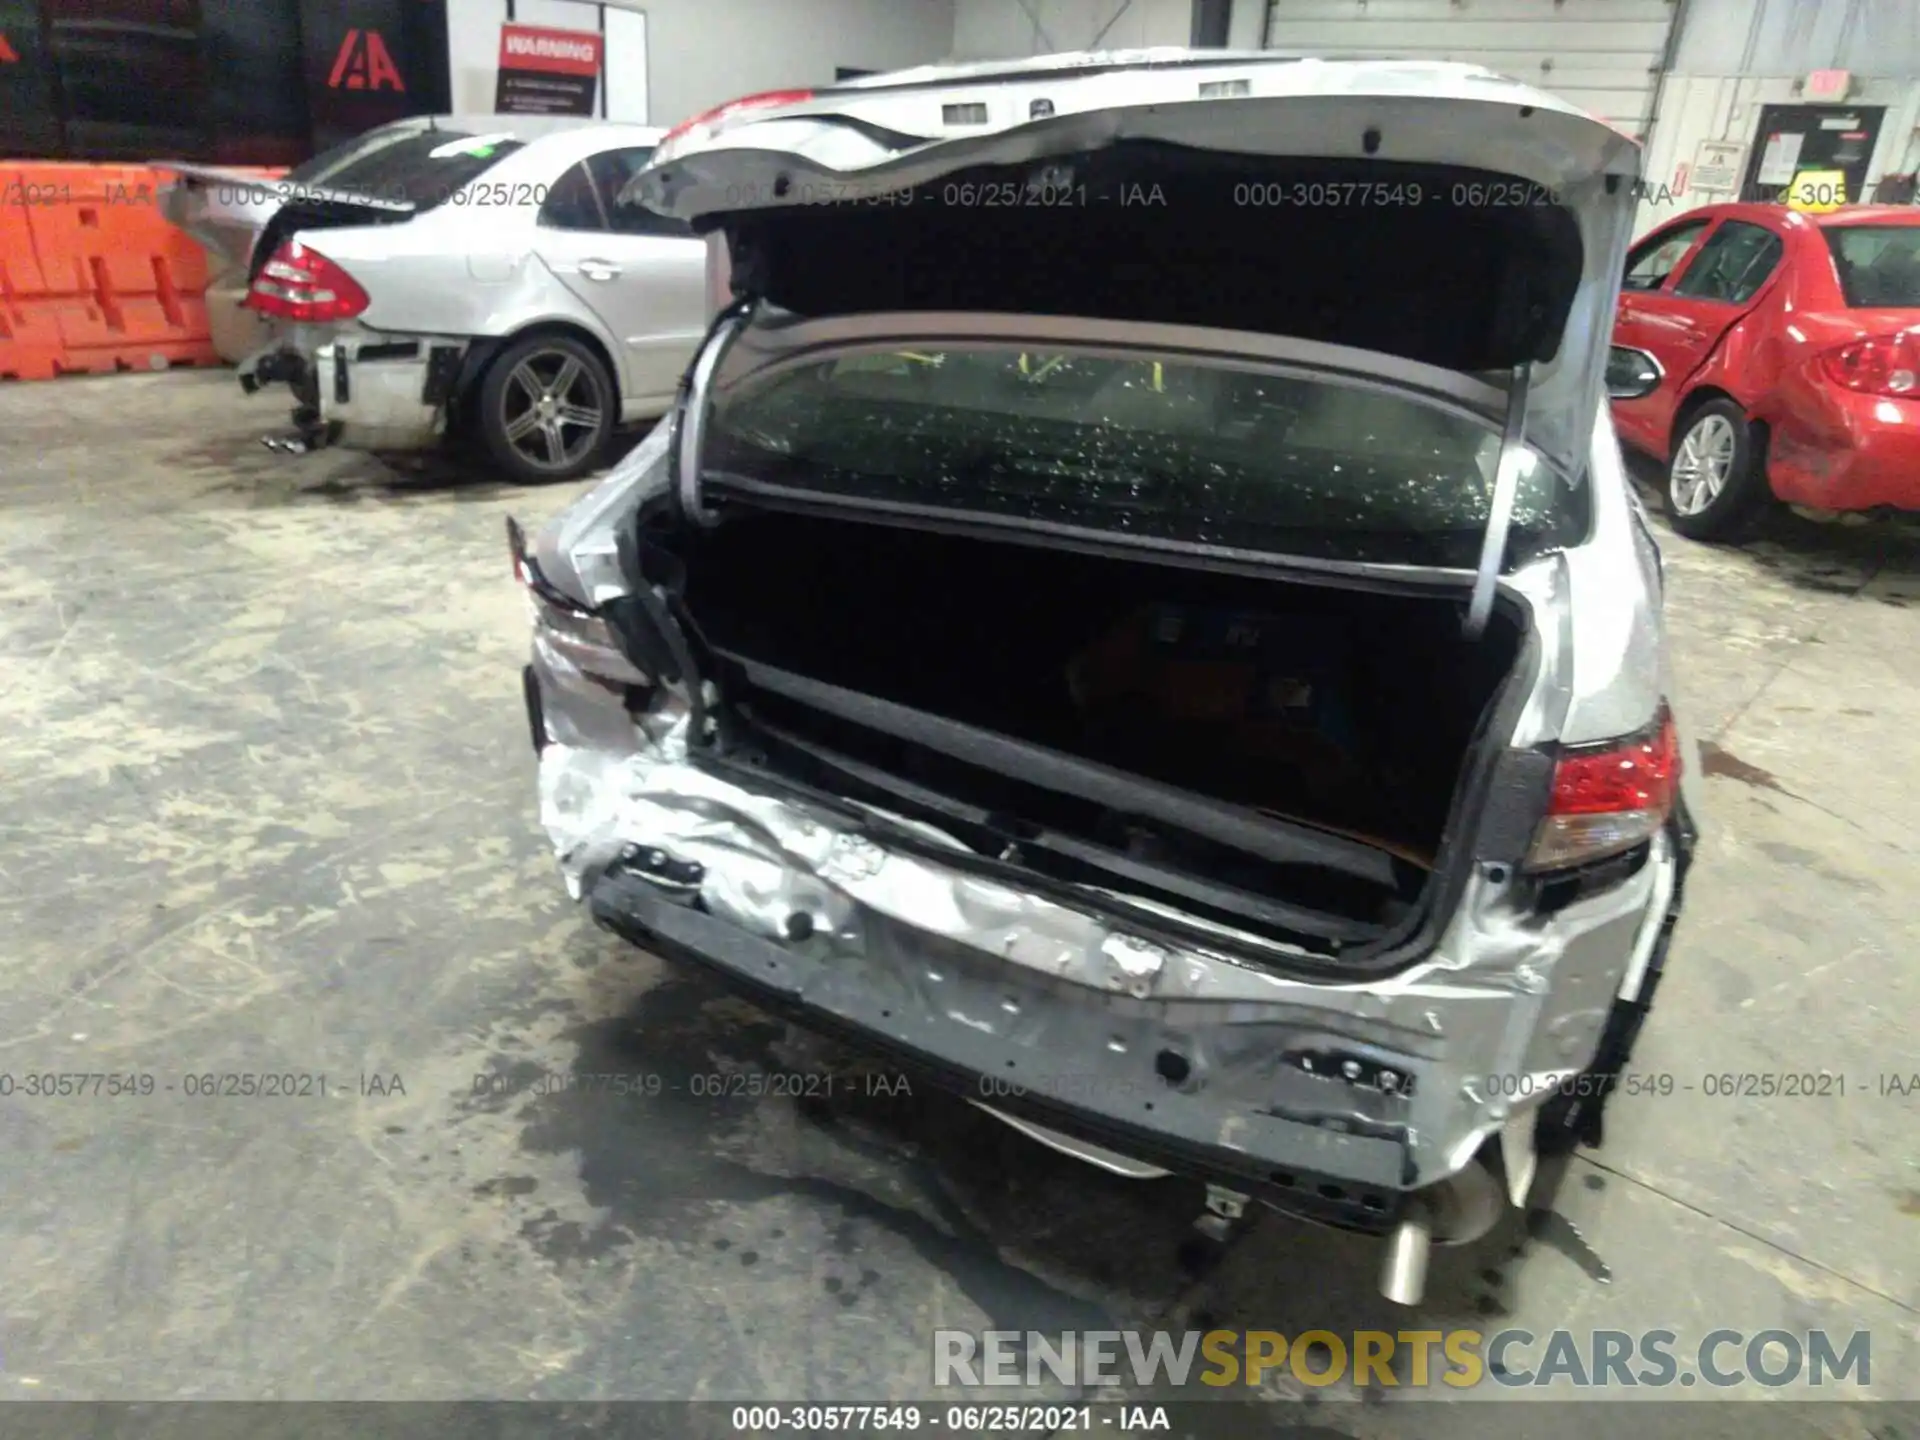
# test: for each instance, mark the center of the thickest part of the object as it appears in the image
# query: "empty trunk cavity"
(1283, 748)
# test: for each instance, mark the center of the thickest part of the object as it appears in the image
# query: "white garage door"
(1601, 55)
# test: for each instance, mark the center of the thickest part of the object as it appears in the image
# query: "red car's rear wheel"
(1716, 483)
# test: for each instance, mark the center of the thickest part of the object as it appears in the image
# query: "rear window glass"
(338, 157)
(1878, 265)
(1180, 451)
(417, 167)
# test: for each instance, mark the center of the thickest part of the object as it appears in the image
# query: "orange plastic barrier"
(92, 277)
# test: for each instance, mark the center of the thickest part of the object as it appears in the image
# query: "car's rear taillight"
(302, 284)
(1608, 798)
(570, 635)
(709, 123)
(1883, 365)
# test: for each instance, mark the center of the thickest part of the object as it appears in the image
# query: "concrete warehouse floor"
(269, 807)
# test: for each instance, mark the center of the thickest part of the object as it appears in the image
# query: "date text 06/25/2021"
(199, 1085)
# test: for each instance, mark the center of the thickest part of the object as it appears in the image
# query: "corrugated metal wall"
(1602, 55)
(1790, 37)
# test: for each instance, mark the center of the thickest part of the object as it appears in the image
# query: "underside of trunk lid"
(1145, 231)
(1433, 213)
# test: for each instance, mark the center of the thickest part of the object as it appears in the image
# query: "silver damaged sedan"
(463, 275)
(1138, 615)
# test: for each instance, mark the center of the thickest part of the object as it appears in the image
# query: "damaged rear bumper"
(365, 391)
(280, 362)
(388, 392)
(1071, 1066)
(1334, 1100)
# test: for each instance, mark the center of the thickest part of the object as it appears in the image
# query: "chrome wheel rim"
(1701, 465)
(551, 409)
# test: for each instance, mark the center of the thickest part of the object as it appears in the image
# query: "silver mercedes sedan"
(453, 275)
(1138, 615)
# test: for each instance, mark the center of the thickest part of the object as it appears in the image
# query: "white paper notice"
(1716, 165)
(1780, 159)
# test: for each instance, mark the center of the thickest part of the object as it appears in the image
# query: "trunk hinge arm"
(1506, 484)
(696, 405)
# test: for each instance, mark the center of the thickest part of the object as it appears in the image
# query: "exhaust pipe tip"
(1403, 1270)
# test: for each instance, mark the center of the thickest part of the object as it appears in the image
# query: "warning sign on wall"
(1717, 164)
(547, 72)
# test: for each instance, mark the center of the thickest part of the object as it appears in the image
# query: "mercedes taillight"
(301, 284)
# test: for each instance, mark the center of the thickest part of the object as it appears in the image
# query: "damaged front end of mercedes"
(1222, 728)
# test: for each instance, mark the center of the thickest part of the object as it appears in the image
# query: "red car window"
(1878, 265)
(1733, 264)
(1651, 261)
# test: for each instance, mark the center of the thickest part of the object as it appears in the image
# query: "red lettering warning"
(540, 50)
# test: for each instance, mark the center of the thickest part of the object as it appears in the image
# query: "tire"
(1716, 481)
(547, 407)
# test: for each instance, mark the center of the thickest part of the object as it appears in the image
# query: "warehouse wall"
(1602, 55)
(1247, 30)
(998, 29)
(706, 52)
(1791, 37)
(1733, 56)
(1697, 108)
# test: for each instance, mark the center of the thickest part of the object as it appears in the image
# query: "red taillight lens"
(1607, 800)
(712, 122)
(568, 636)
(302, 284)
(1884, 365)
(517, 552)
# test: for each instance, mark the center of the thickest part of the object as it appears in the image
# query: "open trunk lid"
(385, 177)
(242, 218)
(226, 210)
(1436, 224)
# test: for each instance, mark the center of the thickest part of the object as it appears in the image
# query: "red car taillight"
(1883, 365)
(1607, 799)
(711, 122)
(302, 284)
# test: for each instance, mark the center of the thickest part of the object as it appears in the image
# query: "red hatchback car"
(1778, 356)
